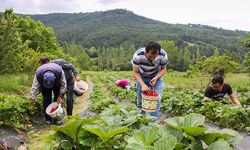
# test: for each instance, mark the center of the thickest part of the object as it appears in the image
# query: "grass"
(15, 83)
(21, 83)
(179, 79)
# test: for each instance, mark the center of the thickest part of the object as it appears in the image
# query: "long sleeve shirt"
(36, 86)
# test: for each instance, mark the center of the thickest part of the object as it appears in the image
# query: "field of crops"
(114, 122)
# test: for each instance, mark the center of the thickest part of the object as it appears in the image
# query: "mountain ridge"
(117, 27)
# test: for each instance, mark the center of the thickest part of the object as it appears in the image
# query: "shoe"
(58, 122)
(47, 122)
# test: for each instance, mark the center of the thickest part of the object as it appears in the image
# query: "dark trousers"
(47, 98)
(69, 99)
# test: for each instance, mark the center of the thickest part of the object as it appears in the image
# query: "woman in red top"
(122, 83)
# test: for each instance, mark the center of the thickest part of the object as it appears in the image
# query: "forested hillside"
(107, 40)
(119, 27)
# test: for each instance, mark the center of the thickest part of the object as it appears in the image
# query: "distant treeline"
(23, 41)
(115, 28)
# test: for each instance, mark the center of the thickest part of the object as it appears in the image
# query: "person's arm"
(63, 88)
(207, 94)
(138, 78)
(234, 99)
(69, 66)
(159, 74)
(231, 95)
(34, 89)
(73, 69)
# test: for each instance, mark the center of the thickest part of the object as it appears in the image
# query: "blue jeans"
(157, 87)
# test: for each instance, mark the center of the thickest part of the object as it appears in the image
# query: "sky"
(226, 14)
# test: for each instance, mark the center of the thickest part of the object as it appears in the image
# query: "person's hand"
(78, 78)
(59, 100)
(153, 81)
(31, 106)
(144, 88)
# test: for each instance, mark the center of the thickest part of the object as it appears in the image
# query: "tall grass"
(15, 83)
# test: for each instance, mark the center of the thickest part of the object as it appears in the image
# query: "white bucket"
(149, 103)
(58, 113)
(80, 87)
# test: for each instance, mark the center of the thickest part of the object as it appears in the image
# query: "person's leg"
(47, 98)
(158, 88)
(138, 91)
(56, 91)
(70, 99)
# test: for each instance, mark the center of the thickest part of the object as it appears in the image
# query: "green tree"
(10, 42)
(214, 65)
(247, 56)
(23, 41)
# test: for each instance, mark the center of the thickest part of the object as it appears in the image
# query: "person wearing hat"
(49, 78)
(71, 75)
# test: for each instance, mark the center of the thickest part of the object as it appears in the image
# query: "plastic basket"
(80, 88)
(149, 103)
(58, 114)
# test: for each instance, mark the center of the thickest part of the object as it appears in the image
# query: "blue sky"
(227, 14)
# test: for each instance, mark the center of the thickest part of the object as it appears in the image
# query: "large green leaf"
(176, 122)
(190, 124)
(105, 132)
(220, 145)
(138, 138)
(194, 130)
(135, 146)
(145, 136)
(66, 145)
(234, 138)
(166, 143)
(112, 120)
(194, 120)
(130, 120)
(150, 134)
(88, 139)
(167, 130)
(70, 128)
(230, 136)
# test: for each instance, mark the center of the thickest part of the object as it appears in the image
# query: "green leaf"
(150, 134)
(66, 145)
(166, 143)
(194, 120)
(88, 139)
(112, 120)
(196, 146)
(105, 132)
(135, 146)
(167, 130)
(130, 120)
(145, 136)
(223, 145)
(70, 128)
(137, 138)
(230, 136)
(194, 130)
